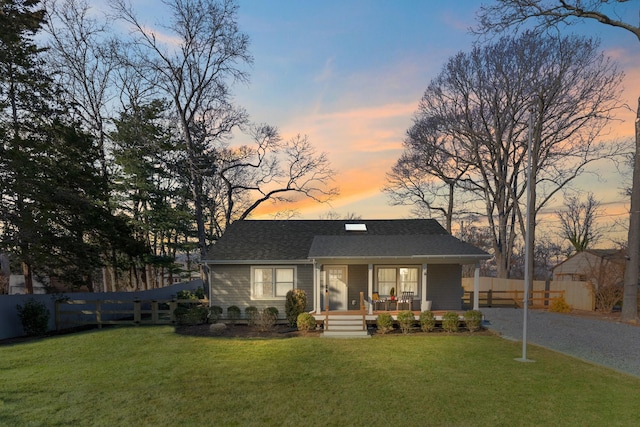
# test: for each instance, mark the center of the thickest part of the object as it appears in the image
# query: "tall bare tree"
(79, 53)
(481, 104)
(195, 73)
(427, 174)
(507, 14)
(269, 170)
(578, 221)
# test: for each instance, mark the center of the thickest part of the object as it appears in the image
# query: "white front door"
(337, 287)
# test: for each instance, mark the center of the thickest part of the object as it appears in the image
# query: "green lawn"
(151, 376)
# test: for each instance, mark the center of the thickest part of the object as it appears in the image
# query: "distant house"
(598, 266)
(256, 263)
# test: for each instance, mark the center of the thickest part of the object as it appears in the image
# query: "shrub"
(607, 296)
(450, 321)
(265, 321)
(34, 316)
(306, 322)
(274, 311)
(215, 313)
(233, 314)
(187, 294)
(295, 304)
(427, 321)
(250, 313)
(559, 305)
(406, 319)
(384, 323)
(473, 320)
(193, 315)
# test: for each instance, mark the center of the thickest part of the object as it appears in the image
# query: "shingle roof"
(363, 246)
(303, 239)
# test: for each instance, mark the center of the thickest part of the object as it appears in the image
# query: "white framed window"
(272, 282)
(400, 278)
(386, 281)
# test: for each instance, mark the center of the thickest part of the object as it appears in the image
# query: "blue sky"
(349, 74)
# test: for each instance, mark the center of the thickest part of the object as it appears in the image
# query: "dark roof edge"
(257, 261)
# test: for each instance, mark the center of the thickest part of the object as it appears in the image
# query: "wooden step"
(345, 326)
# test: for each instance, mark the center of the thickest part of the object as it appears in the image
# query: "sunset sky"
(349, 74)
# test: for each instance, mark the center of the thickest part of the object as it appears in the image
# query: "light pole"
(528, 253)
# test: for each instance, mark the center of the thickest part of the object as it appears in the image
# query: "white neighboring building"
(16, 285)
(599, 266)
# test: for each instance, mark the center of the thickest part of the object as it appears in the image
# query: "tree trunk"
(28, 278)
(630, 299)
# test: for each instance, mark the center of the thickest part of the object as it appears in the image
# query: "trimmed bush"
(559, 305)
(274, 311)
(250, 313)
(306, 322)
(194, 315)
(233, 314)
(384, 323)
(215, 313)
(427, 321)
(34, 316)
(295, 304)
(265, 321)
(406, 319)
(473, 320)
(450, 321)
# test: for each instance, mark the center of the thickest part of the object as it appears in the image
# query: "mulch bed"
(241, 331)
(283, 331)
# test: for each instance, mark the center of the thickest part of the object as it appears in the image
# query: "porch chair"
(406, 298)
(375, 300)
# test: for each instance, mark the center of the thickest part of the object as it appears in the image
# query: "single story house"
(344, 266)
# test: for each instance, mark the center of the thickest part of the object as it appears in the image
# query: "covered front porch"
(350, 288)
(371, 316)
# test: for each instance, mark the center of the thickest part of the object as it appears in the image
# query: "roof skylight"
(355, 227)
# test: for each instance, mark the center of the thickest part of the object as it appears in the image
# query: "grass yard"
(150, 376)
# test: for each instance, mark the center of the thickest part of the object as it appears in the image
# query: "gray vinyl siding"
(444, 286)
(358, 277)
(231, 285)
(305, 282)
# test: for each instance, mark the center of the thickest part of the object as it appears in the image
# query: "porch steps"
(345, 326)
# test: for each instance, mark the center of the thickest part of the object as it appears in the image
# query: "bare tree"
(427, 174)
(195, 73)
(480, 105)
(578, 221)
(507, 14)
(79, 53)
(270, 170)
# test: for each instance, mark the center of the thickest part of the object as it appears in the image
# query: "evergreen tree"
(53, 212)
(151, 187)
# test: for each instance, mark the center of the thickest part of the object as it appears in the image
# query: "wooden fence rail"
(118, 312)
(515, 298)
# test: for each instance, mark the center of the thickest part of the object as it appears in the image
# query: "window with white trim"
(400, 278)
(271, 282)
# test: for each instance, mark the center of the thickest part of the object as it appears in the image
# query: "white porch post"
(476, 287)
(423, 300)
(317, 288)
(370, 287)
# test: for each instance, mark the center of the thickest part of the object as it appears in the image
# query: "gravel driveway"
(611, 344)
